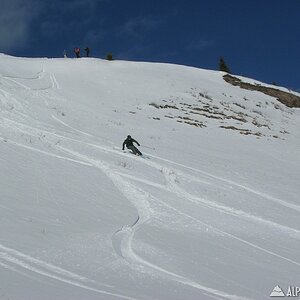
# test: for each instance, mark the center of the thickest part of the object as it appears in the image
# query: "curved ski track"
(122, 239)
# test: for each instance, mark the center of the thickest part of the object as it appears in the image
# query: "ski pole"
(148, 147)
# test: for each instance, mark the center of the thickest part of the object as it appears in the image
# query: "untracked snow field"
(210, 211)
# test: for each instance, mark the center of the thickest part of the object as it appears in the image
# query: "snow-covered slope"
(210, 212)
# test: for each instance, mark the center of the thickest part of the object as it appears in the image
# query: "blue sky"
(257, 38)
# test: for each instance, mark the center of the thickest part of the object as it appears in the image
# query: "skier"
(129, 144)
(77, 52)
(87, 50)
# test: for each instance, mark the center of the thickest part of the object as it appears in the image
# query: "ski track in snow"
(51, 81)
(123, 244)
(47, 153)
(10, 100)
(77, 130)
(230, 182)
(14, 260)
(23, 86)
(54, 82)
(173, 187)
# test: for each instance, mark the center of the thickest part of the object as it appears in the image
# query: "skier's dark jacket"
(129, 142)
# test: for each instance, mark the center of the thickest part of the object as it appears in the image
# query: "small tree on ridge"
(222, 66)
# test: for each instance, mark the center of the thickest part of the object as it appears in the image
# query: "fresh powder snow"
(210, 211)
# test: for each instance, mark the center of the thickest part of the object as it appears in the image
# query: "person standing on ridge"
(129, 144)
(77, 52)
(87, 50)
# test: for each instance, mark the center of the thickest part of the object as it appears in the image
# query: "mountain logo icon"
(277, 292)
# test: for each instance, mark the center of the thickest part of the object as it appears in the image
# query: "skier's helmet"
(129, 136)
